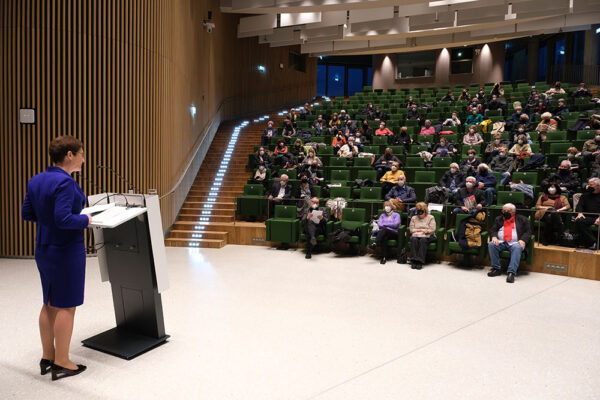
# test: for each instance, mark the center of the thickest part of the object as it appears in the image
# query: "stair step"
(217, 204)
(214, 211)
(195, 218)
(187, 234)
(202, 243)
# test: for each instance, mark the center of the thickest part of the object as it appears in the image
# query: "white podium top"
(111, 215)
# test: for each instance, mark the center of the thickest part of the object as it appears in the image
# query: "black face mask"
(483, 173)
(304, 180)
(590, 189)
(388, 156)
(563, 171)
(420, 212)
(506, 215)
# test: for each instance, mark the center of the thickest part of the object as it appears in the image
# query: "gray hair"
(455, 165)
(284, 176)
(595, 181)
(511, 206)
(484, 165)
(566, 162)
(470, 178)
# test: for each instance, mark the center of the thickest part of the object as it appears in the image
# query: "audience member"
(268, 133)
(443, 149)
(402, 139)
(503, 164)
(581, 91)
(385, 162)
(427, 129)
(390, 178)
(564, 178)
(413, 113)
(486, 181)
(422, 229)
(576, 161)
(469, 199)
(474, 118)
(550, 203)
(448, 97)
(452, 121)
(465, 95)
(401, 194)
(588, 210)
(335, 122)
(388, 223)
(312, 159)
(453, 179)
(511, 231)
(314, 227)
(348, 150)
(319, 125)
(261, 157)
(493, 147)
(288, 130)
(561, 108)
(469, 166)
(304, 194)
(343, 116)
(472, 138)
(261, 175)
(280, 151)
(383, 131)
(279, 192)
(555, 90)
(591, 148)
(298, 150)
(338, 141)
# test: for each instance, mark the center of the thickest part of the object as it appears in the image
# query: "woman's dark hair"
(60, 146)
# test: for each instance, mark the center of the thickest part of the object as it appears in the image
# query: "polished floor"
(260, 323)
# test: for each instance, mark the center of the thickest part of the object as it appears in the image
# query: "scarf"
(555, 197)
(509, 224)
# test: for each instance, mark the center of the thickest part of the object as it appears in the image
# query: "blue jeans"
(515, 255)
(505, 177)
(489, 195)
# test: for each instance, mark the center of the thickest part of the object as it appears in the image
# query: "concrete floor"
(250, 322)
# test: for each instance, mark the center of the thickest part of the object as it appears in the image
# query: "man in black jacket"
(280, 191)
(510, 232)
(469, 199)
(588, 208)
(564, 178)
(453, 179)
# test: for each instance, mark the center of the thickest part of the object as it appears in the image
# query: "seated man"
(268, 133)
(581, 91)
(383, 131)
(564, 178)
(448, 97)
(561, 108)
(515, 117)
(413, 113)
(486, 182)
(390, 178)
(427, 129)
(588, 209)
(312, 228)
(494, 104)
(401, 194)
(576, 161)
(388, 224)
(452, 121)
(502, 163)
(469, 199)
(453, 179)
(343, 116)
(279, 192)
(511, 232)
(403, 138)
(469, 166)
(349, 150)
(377, 114)
(348, 128)
(360, 140)
(591, 148)
(385, 162)
(320, 125)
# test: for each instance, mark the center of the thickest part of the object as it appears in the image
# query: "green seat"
(252, 203)
(530, 178)
(414, 162)
(504, 197)
(340, 191)
(284, 227)
(454, 248)
(361, 163)
(424, 177)
(438, 245)
(340, 176)
(380, 140)
(371, 149)
(370, 198)
(354, 219)
(442, 162)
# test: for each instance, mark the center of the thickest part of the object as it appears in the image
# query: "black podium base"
(122, 343)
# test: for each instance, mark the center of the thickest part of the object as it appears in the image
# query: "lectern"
(131, 253)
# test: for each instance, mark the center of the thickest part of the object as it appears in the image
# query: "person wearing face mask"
(474, 118)
(338, 141)
(548, 206)
(343, 116)
(388, 223)
(427, 129)
(422, 229)
(261, 175)
(298, 150)
(348, 150)
(588, 210)
(383, 131)
(319, 125)
(314, 224)
(469, 199)
(453, 179)
(311, 159)
(465, 95)
(495, 104)
(443, 149)
(401, 194)
(472, 138)
(560, 108)
(292, 116)
(469, 165)
(268, 133)
(304, 193)
(348, 129)
(385, 162)
(261, 157)
(390, 178)
(413, 113)
(520, 150)
(448, 97)
(591, 148)
(557, 89)
(377, 114)
(515, 117)
(512, 232)
(288, 131)
(366, 131)
(335, 122)
(486, 181)
(452, 121)
(492, 148)
(476, 105)
(402, 139)
(581, 91)
(280, 191)
(410, 102)
(564, 178)
(280, 151)
(573, 156)
(504, 164)
(540, 108)
(547, 124)
(368, 109)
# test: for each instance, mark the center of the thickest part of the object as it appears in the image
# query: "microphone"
(130, 187)
(98, 188)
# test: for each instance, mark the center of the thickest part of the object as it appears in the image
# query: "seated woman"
(311, 159)
(261, 175)
(443, 149)
(422, 229)
(474, 118)
(280, 151)
(428, 129)
(298, 150)
(390, 178)
(388, 224)
(548, 206)
(472, 138)
(547, 124)
(261, 157)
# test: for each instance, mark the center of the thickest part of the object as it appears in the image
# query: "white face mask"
(520, 142)
(401, 183)
(471, 131)
(453, 170)
(311, 154)
(262, 152)
(552, 190)
(261, 168)
(571, 155)
(497, 141)
(270, 126)
(283, 183)
(314, 206)
(470, 184)
(388, 209)
(394, 169)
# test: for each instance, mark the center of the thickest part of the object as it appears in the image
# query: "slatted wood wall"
(121, 76)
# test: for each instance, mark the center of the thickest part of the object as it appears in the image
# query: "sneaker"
(494, 272)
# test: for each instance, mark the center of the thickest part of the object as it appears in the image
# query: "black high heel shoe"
(59, 372)
(45, 366)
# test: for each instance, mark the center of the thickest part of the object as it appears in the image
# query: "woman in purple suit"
(54, 201)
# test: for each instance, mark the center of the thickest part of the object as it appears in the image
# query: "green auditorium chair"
(361, 163)
(372, 149)
(320, 238)
(335, 163)
(437, 246)
(414, 162)
(340, 176)
(253, 202)
(340, 191)
(442, 162)
(453, 247)
(284, 227)
(325, 153)
(529, 177)
(380, 141)
(370, 199)
(354, 219)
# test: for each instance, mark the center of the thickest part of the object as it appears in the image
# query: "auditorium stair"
(195, 229)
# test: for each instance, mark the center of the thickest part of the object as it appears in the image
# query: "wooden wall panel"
(121, 76)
